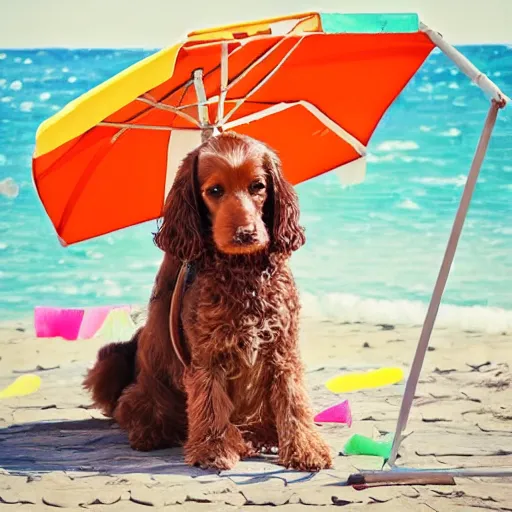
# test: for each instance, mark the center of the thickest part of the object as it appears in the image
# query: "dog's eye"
(256, 186)
(215, 191)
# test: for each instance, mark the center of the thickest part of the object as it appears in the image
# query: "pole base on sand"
(407, 476)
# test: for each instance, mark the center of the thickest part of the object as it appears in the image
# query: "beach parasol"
(313, 86)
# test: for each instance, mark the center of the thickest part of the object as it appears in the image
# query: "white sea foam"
(17, 85)
(391, 157)
(3, 160)
(340, 307)
(44, 96)
(111, 289)
(3, 56)
(140, 265)
(374, 159)
(310, 219)
(452, 132)
(27, 61)
(43, 289)
(6, 99)
(423, 160)
(9, 188)
(72, 79)
(397, 145)
(503, 231)
(426, 88)
(424, 128)
(407, 204)
(14, 299)
(69, 290)
(26, 106)
(453, 85)
(459, 180)
(3, 246)
(3, 81)
(94, 255)
(17, 60)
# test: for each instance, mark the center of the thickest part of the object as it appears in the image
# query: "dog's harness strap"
(177, 339)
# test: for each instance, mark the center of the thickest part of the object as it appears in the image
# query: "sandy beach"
(57, 451)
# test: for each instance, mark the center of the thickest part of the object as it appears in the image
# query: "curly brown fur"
(233, 214)
(113, 372)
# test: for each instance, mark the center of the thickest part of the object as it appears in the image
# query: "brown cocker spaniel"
(235, 220)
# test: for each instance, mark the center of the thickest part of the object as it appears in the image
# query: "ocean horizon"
(373, 250)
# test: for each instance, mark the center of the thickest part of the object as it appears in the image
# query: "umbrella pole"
(202, 106)
(442, 278)
(471, 71)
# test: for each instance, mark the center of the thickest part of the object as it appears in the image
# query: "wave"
(9, 188)
(458, 181)
(398, 145)
(341, 307)
(16, 85)
(144, 265)
(452, 132)
(406, 159)
(26, 106)
(407, 204)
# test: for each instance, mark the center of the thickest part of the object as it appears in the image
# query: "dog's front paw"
(212, 455)
(312, 454)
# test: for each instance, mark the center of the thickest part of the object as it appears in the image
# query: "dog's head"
(230, 190)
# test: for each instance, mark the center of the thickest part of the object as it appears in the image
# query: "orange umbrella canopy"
(312, 86)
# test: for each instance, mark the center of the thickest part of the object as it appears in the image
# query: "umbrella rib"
(225, 86)
(136, 126)
(224, 79)
(262, 82)
(169, 108)
(258, 61)
(311, 108)
(217, 98)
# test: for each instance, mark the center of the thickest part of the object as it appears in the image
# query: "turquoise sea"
(373, 250)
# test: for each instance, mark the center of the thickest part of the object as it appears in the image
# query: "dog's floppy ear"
(282, 209)
(181, 231)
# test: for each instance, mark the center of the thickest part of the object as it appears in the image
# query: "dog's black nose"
(245, 235)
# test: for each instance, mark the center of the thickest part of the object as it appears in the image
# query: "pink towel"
(54, 322)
